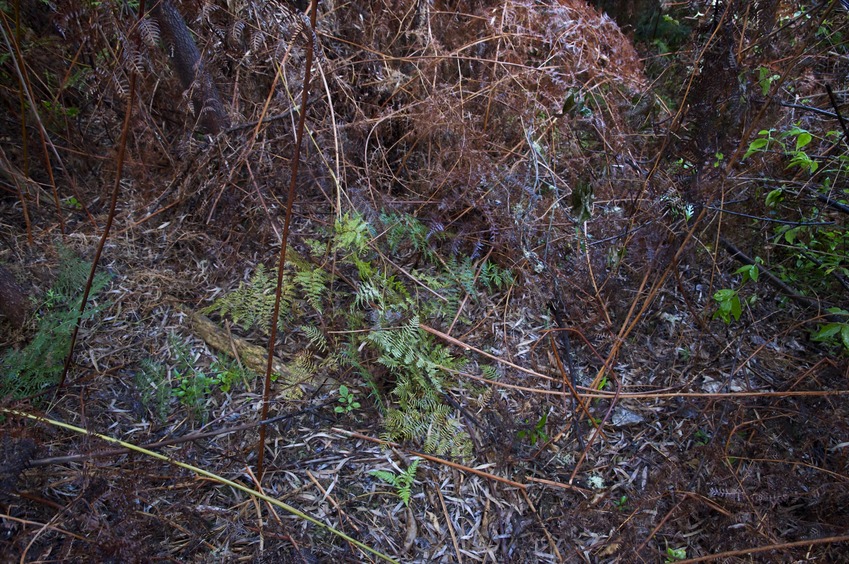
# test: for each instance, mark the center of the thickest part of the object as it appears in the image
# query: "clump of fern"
(252, 303)
(388, 307)
(421, 414)
(151, 381)
(39, 365)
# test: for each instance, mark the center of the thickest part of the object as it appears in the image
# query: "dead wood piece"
(252, 356)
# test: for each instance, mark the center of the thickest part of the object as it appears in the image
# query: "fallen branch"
(253, 356)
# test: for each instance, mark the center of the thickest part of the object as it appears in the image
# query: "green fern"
(316, 338)
(351, 357)
(251, 305)
(407, 231)
(495, 277)
(464, 273)
(415, 409)
(26, 372)
(420, 416)
(368, 295)
(313, 283)
(152, 382)
(352, 234)
(403, 482)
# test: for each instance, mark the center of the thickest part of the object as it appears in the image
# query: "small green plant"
(761, 143)
(347, 399)
(192, 386)
(402, 482)
(226, 372)
(835, 333)
(675, 554)
(73, 203)
(574, 105)
(730, 306)
(536, 433)
(798, 157)
(765, 79)
(621, 503)
(701, 437)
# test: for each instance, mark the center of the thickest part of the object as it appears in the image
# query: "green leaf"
(729, 305)
(749, 272)
(844, 336)
(774, 197)
(828, 331)
(724, 295)
(802, 160)
(803, 139)
(756, 146)
(790, 235)
(736, 308)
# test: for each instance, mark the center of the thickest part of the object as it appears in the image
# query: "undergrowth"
(39, 365)
(384, 345)
(181, 377)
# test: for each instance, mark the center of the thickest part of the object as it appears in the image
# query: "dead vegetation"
(545, 215)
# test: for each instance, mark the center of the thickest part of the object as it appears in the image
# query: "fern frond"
(303, 367)
(39, 365)
(367, 294)
(352, 234)
(251, 305)
(316, 338)
(149, 31)
(313, 282)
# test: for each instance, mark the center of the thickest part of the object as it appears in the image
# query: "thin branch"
(296, 157)
(113, 202)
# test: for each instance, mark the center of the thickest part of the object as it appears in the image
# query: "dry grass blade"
(201, 472)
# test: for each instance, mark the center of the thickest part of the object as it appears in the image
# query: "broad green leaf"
(828, 331)
(756, 146)
(774, 197)
(736, 308)
(790, 235)
(803, 139)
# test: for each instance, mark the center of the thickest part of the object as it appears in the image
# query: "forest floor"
(548, 296)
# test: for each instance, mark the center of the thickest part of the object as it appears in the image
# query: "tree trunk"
(189, 66)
